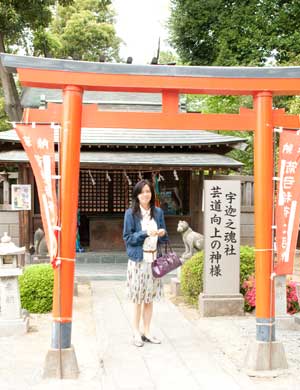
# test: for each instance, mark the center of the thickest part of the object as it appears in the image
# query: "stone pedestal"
(10, 297)
(287, 322)
(11, 320)
(61, 364)
(14, 327)
(175, 282)
(221, 305)
(283, 319)
(297, 318)
(280, 296)
(265, 358)
(298, 288)
(175, 287)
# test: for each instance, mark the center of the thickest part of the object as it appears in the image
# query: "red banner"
(288, 201)
(38, 143)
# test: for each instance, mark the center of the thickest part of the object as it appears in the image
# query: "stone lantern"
(11, 320)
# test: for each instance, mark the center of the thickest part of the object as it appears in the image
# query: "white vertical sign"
(222, 199)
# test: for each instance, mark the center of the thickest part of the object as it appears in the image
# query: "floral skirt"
(140, 284)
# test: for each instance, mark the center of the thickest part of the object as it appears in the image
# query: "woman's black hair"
(135, 200)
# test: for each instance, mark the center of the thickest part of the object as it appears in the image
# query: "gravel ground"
(231, 336)
(22, 357)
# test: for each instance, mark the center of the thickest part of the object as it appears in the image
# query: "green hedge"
(192, 273)
(191, 280)
(247, 263)
(36, 288)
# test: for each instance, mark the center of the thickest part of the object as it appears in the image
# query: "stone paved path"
(183, 360)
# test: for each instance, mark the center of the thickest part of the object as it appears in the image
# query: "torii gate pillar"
(62, 354)
(265, 353)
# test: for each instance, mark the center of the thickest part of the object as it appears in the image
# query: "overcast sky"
(140, 23)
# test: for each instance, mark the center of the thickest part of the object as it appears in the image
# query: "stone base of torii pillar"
(265, 358)
(61, 364)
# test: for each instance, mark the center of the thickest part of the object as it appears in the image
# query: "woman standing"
(144, 227)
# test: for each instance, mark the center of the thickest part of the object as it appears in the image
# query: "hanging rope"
(160, 177)
(92, 179)
(127, 178)
(108, 178)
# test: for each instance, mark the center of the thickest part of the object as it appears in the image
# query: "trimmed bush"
(191, 281)
(247, 263)
(36, 288)
(192, 273)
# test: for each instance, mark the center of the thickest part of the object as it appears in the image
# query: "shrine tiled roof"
(138, 160)
(103, 137)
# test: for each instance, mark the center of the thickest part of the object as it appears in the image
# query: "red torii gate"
(74, 77)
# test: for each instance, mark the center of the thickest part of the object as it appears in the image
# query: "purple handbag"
(165, 262)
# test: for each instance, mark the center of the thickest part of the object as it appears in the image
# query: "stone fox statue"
(192, 240)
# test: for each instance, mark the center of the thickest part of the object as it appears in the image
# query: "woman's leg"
(137, 310)
(147, 316)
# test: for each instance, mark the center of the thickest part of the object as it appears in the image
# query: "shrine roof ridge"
(135, 160)
(13, 62)
(143, 137)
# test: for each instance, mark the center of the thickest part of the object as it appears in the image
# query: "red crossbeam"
(92, 116)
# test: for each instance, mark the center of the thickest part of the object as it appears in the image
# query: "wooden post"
(196, 190)
(5, 191)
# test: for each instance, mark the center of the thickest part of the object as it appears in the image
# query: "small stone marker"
(283, 319)
(280, 296)
(11, 320)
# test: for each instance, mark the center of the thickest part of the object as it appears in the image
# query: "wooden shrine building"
(113, 159)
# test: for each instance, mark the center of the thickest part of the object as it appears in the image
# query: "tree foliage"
(228, 32)
(227, 104)
(83, 30)
(294, 106)
(169, 58)
(17, 19)
(236, 33)
(4, 125)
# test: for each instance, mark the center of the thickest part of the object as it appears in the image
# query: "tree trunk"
(13, 107)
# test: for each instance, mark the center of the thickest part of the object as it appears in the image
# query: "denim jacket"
(134, 236)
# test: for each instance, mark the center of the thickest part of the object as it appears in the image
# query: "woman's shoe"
(138, 341)
(151, 339)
